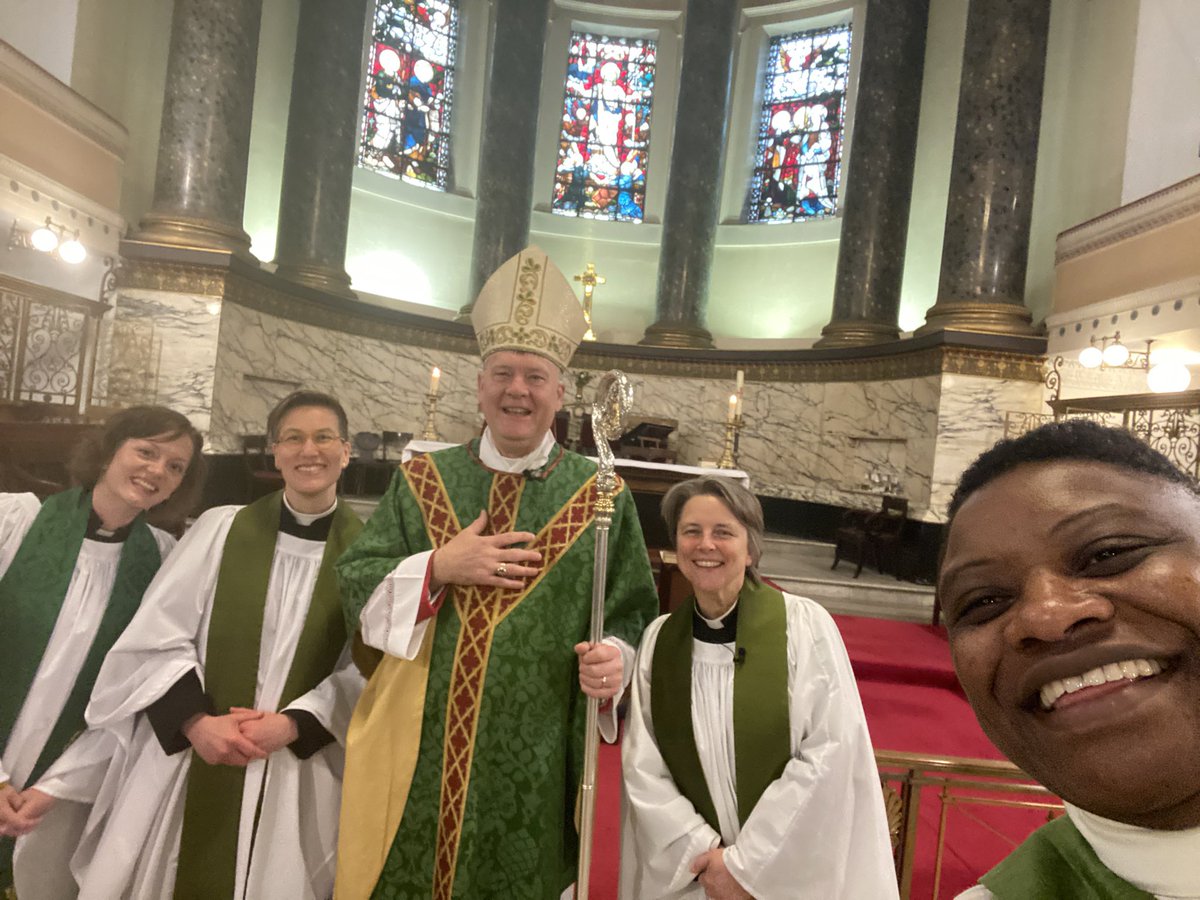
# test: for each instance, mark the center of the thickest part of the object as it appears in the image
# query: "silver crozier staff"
(614, 399)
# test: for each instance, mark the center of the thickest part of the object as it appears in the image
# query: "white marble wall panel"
(970, 420)
(186, 330)
(815, 442)
(382, 385)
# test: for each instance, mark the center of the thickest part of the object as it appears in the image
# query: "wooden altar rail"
(910, 779)
(1170, 423)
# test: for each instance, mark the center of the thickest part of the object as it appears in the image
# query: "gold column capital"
(330, 279)
(856, 333)
(193, 233)
(973, 315)
(677, 335)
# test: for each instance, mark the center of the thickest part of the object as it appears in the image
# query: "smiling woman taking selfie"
(1070, 583)
(72, 573)
(748, 768)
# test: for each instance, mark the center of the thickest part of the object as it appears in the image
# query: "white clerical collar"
(718, 623)
(1164, 863)
(491, 456)
(307, 518)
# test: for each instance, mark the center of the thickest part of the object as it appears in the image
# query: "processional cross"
(589, 279)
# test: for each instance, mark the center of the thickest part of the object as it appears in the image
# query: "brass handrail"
(957, 782)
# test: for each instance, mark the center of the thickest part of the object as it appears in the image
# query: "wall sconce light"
(49, 238)
(1112, 354)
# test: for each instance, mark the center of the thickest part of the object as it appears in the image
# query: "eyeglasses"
(295, 440)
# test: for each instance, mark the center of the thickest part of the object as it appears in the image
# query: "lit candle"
(733, 403)
(434, 379)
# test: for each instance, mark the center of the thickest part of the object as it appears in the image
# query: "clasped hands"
(240, 736)
(495, 560)
(21, 811)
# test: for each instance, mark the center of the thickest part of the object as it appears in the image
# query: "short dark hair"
(299, 398)
(96, 451)
(1077, 439)
(739, 501)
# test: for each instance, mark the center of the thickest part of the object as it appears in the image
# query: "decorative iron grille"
(48, 342)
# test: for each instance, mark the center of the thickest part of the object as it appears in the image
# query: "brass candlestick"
(729, 454)
(430, 432)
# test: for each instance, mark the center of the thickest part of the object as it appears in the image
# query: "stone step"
(803, 567)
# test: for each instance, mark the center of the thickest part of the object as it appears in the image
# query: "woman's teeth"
(1128, 670)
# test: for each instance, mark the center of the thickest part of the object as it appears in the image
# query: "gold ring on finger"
(501, 570)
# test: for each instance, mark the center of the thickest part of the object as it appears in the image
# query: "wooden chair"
(261, 475)
(875, 535)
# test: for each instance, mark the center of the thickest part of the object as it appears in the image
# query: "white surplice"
(819, 831)
(130, 847)
(74, 631)
(1162, 863)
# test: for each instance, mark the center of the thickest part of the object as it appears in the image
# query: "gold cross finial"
(589, 279)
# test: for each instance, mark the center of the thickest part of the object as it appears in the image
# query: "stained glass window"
(605, 137)
(410, 84)
(799, 157)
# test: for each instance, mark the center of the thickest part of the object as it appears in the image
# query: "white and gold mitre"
(528, 305)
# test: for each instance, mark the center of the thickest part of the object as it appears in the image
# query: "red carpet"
(913, 703)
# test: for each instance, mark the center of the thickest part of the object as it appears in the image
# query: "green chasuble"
(1055, 862)
(490, 809)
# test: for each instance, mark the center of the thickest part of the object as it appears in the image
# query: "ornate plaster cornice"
(1171, 204)
(31, 82)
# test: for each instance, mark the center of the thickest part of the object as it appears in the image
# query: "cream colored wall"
(1164, 115)
(120, 64)
(36, 29)
(768, 282)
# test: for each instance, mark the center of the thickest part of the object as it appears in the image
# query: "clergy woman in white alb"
(748, 769)
(72, 573)
(212, 796)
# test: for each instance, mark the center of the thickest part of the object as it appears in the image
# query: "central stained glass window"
(604, 141)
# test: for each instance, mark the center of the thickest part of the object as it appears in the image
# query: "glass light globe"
(72, 252)
(1168, 377)
(43, 239)
(1090, 357)
(1115, 354)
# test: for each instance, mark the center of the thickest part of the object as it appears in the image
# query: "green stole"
(31, 596)
(761, 719)
(1055, 862)
(212, 811)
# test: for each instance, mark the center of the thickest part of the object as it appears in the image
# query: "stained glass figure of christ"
(605, 137)
(409, 87)
(800, 135)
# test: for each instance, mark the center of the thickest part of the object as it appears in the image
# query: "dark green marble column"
(986, 244)
(689, 229)
(204, 143)
(870, 268)
(318, 162)
(504, 190)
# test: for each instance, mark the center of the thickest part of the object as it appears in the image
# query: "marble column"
(870, 268)
(204, 144)
(689, 229)
(504, 190)
(318, 162)
(986, 244)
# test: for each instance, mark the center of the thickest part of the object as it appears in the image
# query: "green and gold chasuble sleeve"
(488, 812)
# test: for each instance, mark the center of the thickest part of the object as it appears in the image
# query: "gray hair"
(738, 500)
